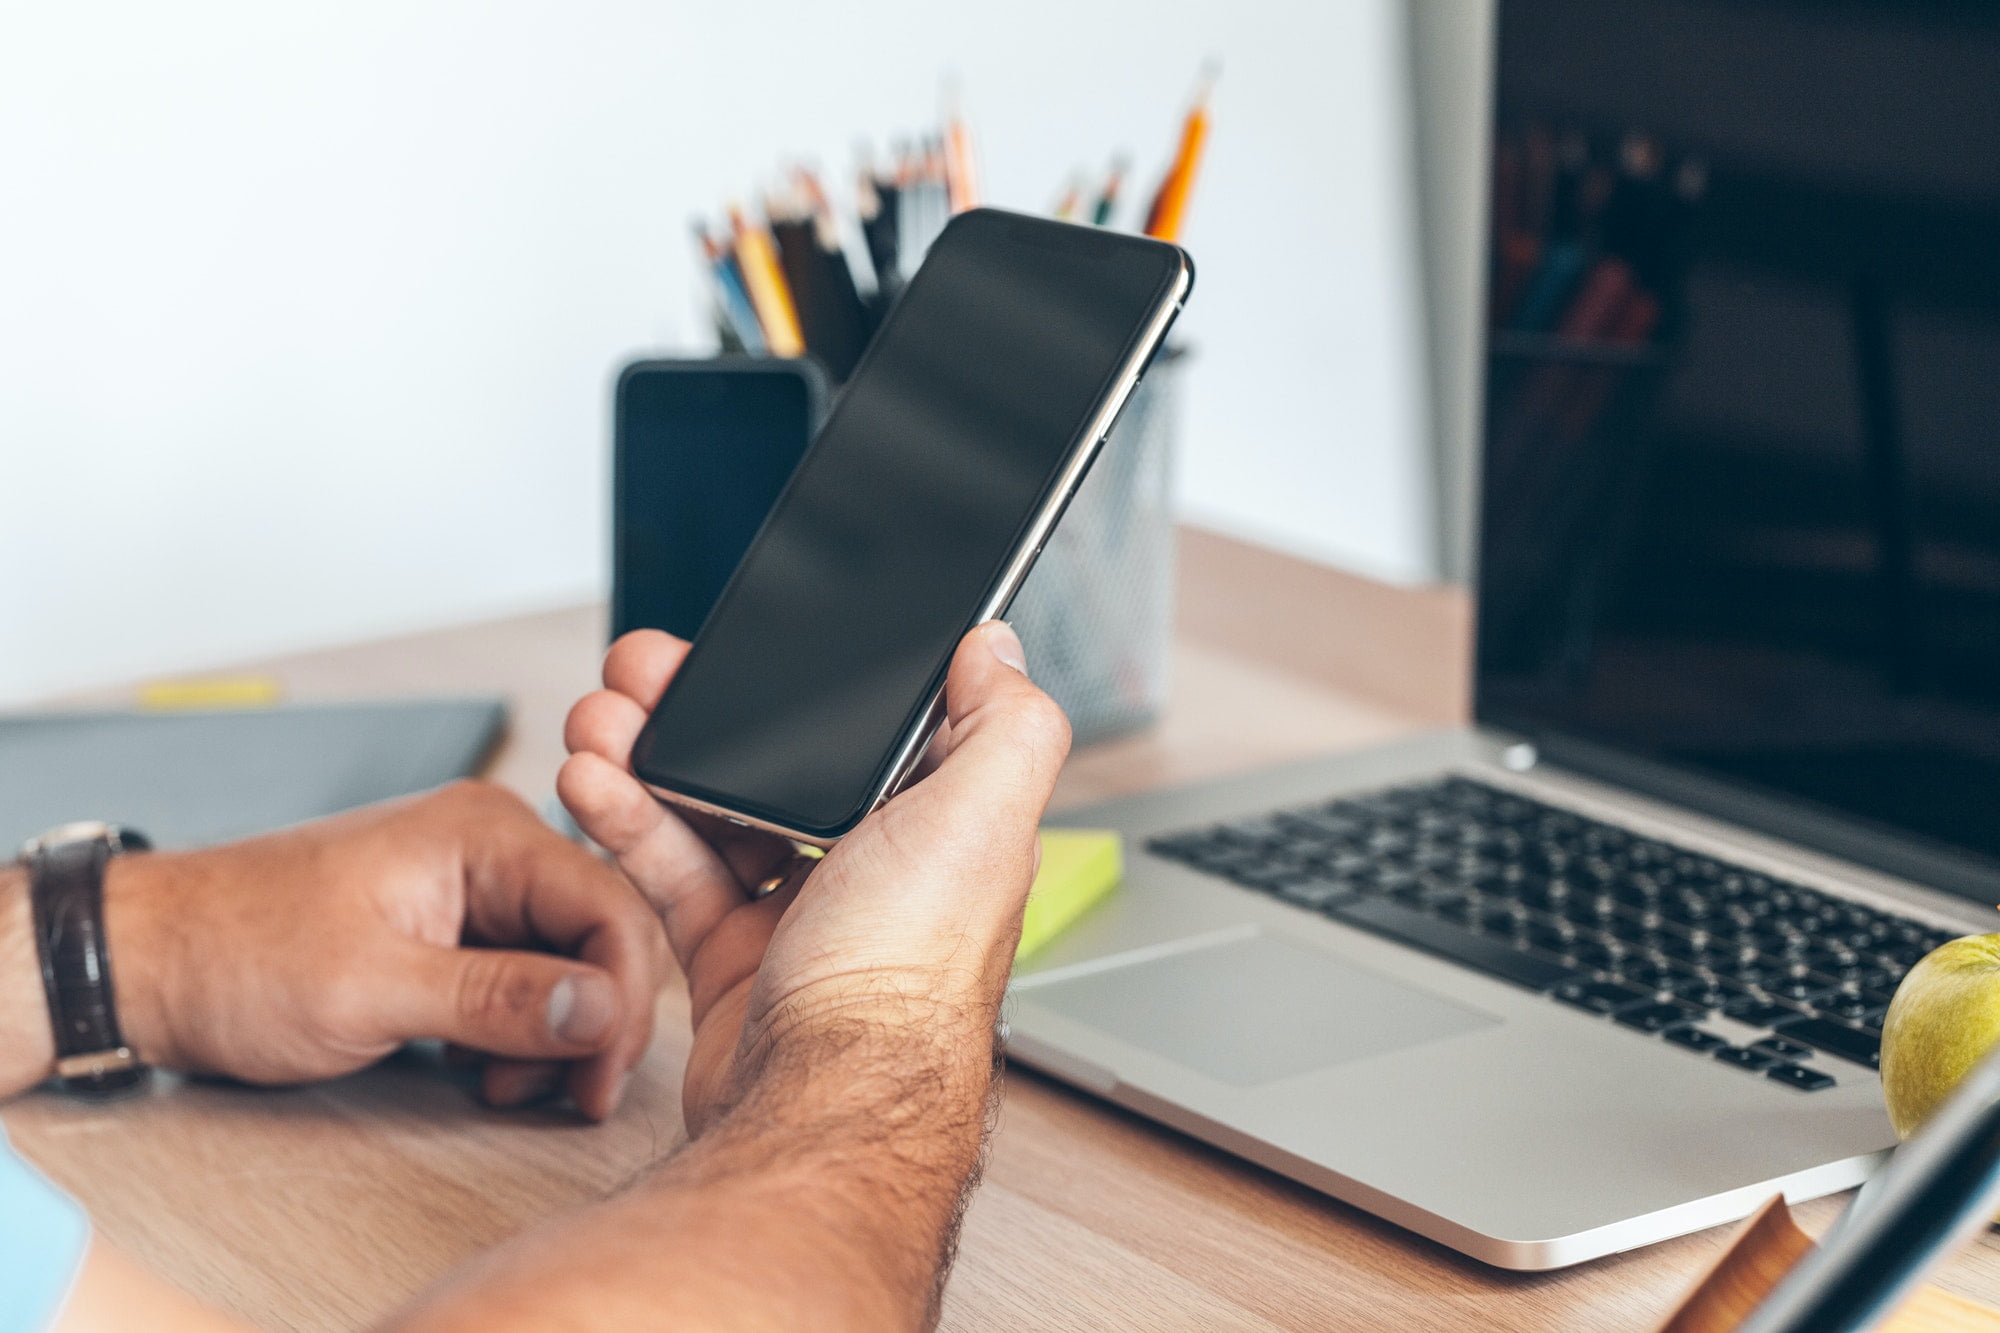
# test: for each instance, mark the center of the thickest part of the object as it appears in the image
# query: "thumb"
(505, 1002)
(1007, 739)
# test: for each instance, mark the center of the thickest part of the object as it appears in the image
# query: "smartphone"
(700, 450)
(815, 683)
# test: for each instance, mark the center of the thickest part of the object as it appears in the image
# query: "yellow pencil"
(765, 283)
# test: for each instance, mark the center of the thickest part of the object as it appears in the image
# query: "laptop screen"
(1741, 499)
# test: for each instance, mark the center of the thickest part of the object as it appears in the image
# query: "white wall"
(308, 312)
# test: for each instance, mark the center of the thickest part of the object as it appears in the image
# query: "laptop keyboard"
(1654, 937)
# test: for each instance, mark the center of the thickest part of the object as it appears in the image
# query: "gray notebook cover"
(197, 778)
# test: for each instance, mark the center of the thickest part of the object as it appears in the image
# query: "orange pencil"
(961, 169)
(765, 283)
(1169, 211)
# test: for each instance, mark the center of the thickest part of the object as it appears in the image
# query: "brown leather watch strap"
(66, 875)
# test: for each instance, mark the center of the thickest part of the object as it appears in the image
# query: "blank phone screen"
(899, 524)
(703, 449)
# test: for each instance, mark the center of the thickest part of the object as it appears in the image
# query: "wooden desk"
(321, 1207)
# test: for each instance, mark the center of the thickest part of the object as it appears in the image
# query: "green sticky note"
(1079, 867)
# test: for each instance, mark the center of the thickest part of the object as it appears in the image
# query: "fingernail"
(618, 1089)
(1005, 644)
(581, 1008)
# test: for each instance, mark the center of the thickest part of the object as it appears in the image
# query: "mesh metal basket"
(1097, 613)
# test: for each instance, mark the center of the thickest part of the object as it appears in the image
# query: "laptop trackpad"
(1255, 1008)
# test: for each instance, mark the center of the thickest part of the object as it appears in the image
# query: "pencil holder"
(1097, 613)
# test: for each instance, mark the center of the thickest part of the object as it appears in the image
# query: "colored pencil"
(765, 283)
(736, 315)
(1107, 199)
(1169, 211)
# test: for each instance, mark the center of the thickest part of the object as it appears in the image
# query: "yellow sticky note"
(1079, 867)
(210, 692)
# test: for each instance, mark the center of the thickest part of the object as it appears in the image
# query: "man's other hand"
(907, 927)
(457, 915)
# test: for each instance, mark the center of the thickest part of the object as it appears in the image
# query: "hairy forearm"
(27, 1048)
(828, 1197)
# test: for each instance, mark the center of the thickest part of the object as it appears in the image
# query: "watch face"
(87, 830)
(83, 830)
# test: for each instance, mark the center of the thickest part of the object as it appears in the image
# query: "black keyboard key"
(1800, 1077)
(1835, 1039)
(1695, 1039)
(1436, 896)
(1657, 1017)
(1593, 952)
(1600, 997)
(1836, 960)
(1852, 1008)
(1316, 893)
(1701, 992)
(1396, 880)
(1745, 1059)
(1267, 879)
(1646, 972)
(1689, 911)
(1784, 1050)
(1177, 846)
(1221, 860)
(1685, 948)
(1541, 893)
(1432, 856)
(1881, 980)
(1483, 953)
(1798, 983)
(1759, 1013)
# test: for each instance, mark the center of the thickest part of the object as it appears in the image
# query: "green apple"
(1944, 1016)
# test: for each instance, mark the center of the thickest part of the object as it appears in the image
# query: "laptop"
(200, 777)
(1611, 964)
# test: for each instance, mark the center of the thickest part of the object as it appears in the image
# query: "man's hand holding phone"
(842, 1066)
(902, 937)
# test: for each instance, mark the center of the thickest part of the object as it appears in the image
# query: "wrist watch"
(66, 886)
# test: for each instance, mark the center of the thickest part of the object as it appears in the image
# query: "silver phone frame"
(1036, 536)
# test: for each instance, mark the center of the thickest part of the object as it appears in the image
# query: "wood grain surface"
(323, 1207)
